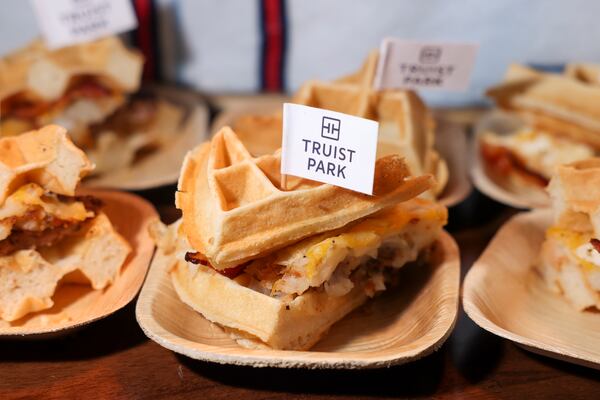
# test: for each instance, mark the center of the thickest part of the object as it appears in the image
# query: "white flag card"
(415, 64)
(329, 147)
(69, 22)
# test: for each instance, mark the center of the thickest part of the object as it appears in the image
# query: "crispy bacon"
(596, 244)
(47, 229)
(22, 239)
(503, 162)
(22, 106)
(90, 203)
(199, 258)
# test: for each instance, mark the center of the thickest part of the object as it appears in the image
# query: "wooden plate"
(504, 295)
(402, 325)
(502, 123)
(77, 305)
(162, 167)
(451, 142)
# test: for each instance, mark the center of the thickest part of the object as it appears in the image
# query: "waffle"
(234, 211)
(46, 157)
(406, 125)
(46, 74)
(575, 190)
(555, 103)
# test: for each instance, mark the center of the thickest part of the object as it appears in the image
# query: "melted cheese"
(32, 197)
(366, 236)
(543, 152)
(579, 245)
(358, 243)
(330, 258)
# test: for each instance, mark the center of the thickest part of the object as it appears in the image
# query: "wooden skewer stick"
(283, 182)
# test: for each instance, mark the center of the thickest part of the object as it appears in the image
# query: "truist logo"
(430, 55)
(330, 128)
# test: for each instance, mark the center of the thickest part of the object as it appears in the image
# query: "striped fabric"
(274, 37)
(270, 45)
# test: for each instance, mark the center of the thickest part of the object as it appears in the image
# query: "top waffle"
(573, 189)
(46, 157)
(556, 103)
(46, 74)
(234, 211)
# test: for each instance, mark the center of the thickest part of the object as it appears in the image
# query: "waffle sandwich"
(88, 89)
(277, 268)
(562, 117)
(47, 233)
(406, 126)
(570, 257)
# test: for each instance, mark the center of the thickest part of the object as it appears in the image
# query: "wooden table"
(113, 359)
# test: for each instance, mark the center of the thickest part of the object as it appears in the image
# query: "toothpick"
(283, 182)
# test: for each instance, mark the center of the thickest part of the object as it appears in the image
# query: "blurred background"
(245, 46)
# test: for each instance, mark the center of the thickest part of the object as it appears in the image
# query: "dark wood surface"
(113, 359)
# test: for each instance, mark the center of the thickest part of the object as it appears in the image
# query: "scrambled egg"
(579, 245)
(401, 232)
(31, 196)
(541, 152)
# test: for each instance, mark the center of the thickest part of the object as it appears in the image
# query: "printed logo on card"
(424, 65)
(330, 129)
(328, 146)
(68, 22)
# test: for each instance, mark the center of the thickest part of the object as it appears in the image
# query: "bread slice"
(46, 157)
(234, 211)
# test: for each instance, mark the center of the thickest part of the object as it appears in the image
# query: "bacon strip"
(503, 162)
(20, 106)
(595, 244)
(200, 259)
(52, 230)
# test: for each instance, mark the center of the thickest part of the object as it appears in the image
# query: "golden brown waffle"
(575, 189)
(555, 103)
(46, 157)
(405, 122)
(29, 278)
(234, 210)
(46, 74)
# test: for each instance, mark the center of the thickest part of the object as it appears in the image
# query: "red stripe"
(274, 44)
(144, 36)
